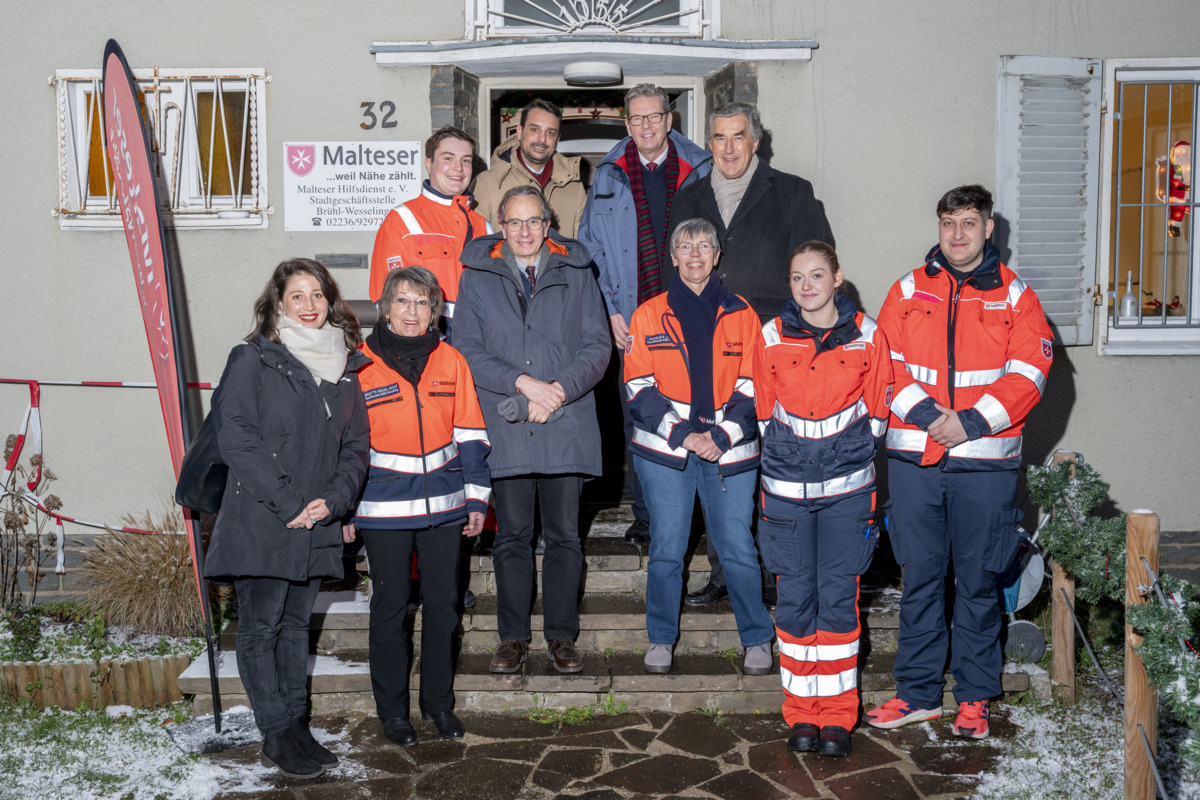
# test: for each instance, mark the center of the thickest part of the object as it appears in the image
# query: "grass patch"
(574, 715)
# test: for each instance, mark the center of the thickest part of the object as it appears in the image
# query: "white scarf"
(729, 192)
(322, 350)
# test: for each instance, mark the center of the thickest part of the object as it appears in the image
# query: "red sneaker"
(896, 712)
(972, 720)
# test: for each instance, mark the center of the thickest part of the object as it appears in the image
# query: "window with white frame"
(501, 18)
(208, 128)
(1093, 178)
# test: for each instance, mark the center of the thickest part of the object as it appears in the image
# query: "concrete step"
(340, 684)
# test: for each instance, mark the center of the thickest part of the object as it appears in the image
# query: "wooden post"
(1062, 635)
(1141, 699)
(103, 691)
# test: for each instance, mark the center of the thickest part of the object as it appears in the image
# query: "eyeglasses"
(686, 248)
(535, 224)
(421, 303)
(653, 119)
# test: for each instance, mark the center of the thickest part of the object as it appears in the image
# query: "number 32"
(387, 107)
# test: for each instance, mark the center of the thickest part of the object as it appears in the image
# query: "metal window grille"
(1155, 120)
(496, 18)
(206, 130)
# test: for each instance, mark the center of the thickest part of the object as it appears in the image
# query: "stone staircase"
(612, 638)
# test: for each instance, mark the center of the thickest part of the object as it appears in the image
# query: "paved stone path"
(636, 756)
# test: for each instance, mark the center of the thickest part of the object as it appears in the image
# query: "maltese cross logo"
(300, 158)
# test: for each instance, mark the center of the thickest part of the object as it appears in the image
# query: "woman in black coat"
(292, 427)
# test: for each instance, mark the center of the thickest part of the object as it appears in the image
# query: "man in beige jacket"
(530, 157)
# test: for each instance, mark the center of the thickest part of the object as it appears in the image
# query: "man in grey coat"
(531, 323)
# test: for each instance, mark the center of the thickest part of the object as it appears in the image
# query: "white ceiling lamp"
(592, 73)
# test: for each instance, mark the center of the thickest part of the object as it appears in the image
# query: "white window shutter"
(1047, 182)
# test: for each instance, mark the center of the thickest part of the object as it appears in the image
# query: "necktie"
(531, 271)
(650, 167)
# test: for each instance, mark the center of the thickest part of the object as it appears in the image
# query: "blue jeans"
(670, 494)
(272, 647)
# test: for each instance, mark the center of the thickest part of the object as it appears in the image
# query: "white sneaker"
(659, 658)
(758, 660)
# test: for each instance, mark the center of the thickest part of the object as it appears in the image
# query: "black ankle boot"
(311, 747)
(282, 751)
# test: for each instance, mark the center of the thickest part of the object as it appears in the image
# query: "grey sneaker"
(658, 658)
(758, 660)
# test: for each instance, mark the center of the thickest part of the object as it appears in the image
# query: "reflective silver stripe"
(926, 375)
(878, 426)
(1014, 367)
(658, 443)
(413, 465)
(897, 356)
(448, 310)
(867, 329)
(908, 285)
(470, 435)
(818, 652)
(476, 492)
(411, 508)
(733, 431)
(829, 488)
(684, 410)
(441, 201)
(409, 219)
(1015, 290)
(819, 428)
(762, 427)
(994, 412)
(487, 226)
(977, 377)
(739, 453)
(906, 399)
(635, 385)
(745, 386)
(770, 334)
(904, 439)
(998, 447)
(819, 685)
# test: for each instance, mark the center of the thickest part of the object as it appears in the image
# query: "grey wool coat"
(562, 336)
(287, 442)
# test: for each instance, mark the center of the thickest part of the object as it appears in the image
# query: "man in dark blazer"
(761, 215)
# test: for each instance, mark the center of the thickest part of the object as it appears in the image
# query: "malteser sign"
(339, 186)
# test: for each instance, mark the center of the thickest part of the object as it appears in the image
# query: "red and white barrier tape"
(31, 429)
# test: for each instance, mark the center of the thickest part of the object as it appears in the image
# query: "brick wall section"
(737, 81)
(454, 99)
(1179, 554)
(60, 587)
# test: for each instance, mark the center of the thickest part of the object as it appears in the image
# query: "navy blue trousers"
(935, 517)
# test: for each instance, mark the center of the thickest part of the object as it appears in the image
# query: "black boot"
(834, 741)
(282, 751)
(803, 738)
(311, 747)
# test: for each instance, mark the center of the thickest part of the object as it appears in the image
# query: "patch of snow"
(317, 665)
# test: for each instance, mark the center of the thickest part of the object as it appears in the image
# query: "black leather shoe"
(311, 747)
(448, 726)
(834, 741)
(804, 738)
(468, 599)
(400, 731)
(282, 751)
(638, 532)
(711, 593)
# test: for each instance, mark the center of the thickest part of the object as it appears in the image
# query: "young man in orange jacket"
(971, 350)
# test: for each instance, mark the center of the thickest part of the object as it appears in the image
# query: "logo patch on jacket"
(395, 262)
(658, 338)
(855, 346)
(381, 392)
(887, 396)
(1047, 350)
(995, 306)
(932, 298)
(443, 382)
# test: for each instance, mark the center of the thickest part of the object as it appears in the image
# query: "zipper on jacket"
(951, 326)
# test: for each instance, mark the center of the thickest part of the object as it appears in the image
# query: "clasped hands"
(313, 513)
(947, 430)
(702, 444)
(544, 398)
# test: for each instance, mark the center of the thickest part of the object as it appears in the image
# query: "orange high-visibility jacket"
(659, 388)
(822, 410)
(983, 349)
(428, 231)
(428, 453)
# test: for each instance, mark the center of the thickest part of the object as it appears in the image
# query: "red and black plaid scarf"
(649, 267)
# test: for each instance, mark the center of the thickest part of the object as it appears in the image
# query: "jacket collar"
(276, 355)
(483, 253)
(430, 193)
(984, 277)
(685, 148)
(504, 159)
(844, 331)
(760, 183)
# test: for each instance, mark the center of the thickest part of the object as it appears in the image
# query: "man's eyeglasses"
(686, 248)
(653, 119)
(535, 224)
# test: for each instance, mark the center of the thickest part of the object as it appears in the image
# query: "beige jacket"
(564, 192)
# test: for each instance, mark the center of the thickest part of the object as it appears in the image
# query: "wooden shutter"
(1047, 182)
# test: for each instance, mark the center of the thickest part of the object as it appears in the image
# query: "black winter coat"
(778, 212)
(563, 336)
(287, 442)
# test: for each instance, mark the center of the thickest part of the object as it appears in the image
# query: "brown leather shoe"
(509, 656)
(564, 655)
